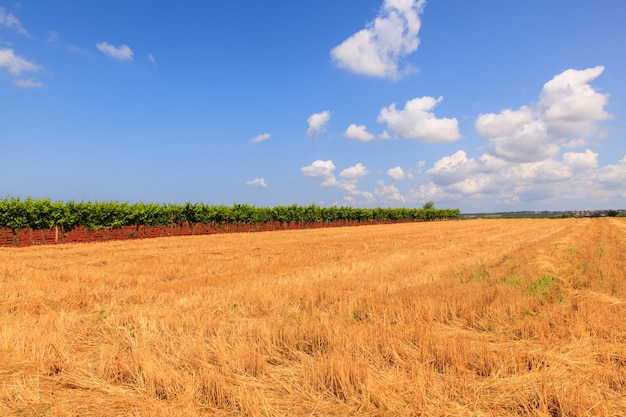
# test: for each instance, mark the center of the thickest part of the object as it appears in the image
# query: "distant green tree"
(428, 205)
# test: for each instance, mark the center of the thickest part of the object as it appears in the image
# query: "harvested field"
(466, 318)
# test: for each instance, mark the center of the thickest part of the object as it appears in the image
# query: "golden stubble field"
(465, 318)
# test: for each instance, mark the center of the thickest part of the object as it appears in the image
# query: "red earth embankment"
(29, 237)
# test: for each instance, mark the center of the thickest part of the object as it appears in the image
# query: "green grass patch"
(546, 288)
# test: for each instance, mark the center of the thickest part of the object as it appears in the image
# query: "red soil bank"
(29, 237)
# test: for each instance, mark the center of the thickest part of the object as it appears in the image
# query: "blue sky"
(481, 105)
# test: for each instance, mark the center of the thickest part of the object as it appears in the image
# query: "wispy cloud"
(8, 20)
(152, 59)
(121, 53)
(54, 38)
(260, 138)
(317, 123)
(15, 64)
(28, 83)
(377, 49)
(257, 182)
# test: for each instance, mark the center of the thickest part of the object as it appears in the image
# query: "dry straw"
(466, 318)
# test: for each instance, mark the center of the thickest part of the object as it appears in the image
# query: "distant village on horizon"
(548, 214)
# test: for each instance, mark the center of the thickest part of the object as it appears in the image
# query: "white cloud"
(27, 83)
(121, 53)
(613, 176)
(522, 164)
(581, 162)
(463, 177)
(576, 175)
(389, 193)
(260, 138)
(458, 178)
(359, 133)
(317, 123)
(417, 121)
(504, 124)
(15, 64)
(396, 174)
(377, 49)
(567, 114)
(8, 20)
(257, 182)
(354, 172)
(319, 169)
(458, 168)
(531, 142)
(569, 106)
(152, 59)
(347, 182)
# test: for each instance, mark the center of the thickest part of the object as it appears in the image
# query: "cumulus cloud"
(8, 20)
(359, 133)
(319, 169)
(389, 193)
(523, 162)
(257, 182)
(581, 162)
(417, 121)
(377, 49)
(121, 53)
(317, 123)
(613, 176)
(260, 138)
(458, 167)
(503, 124)
(396, 174)
(567, 114)
(569, 106)
(354, 172)
(460, 178)
(575, 175)
(15, 64)
(531, 142)
(346, 183)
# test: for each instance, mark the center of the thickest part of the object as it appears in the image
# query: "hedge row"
(41, 214)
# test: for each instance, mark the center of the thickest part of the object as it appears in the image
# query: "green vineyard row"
(42, 214)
